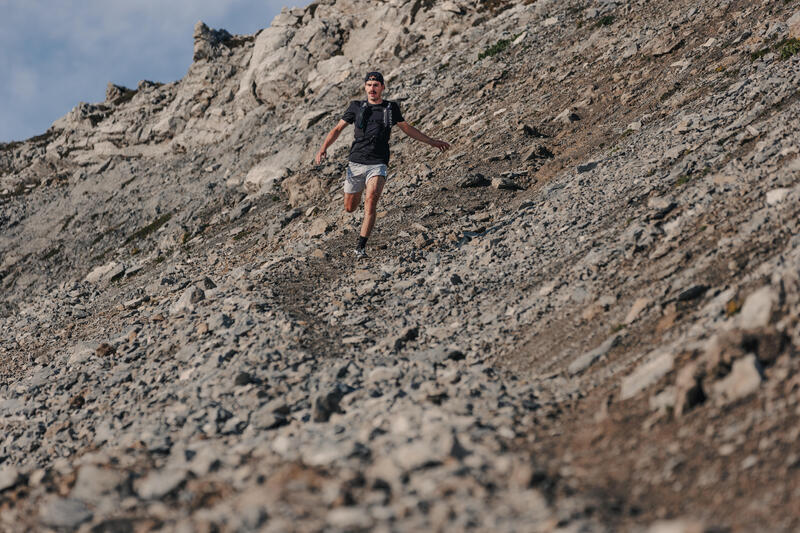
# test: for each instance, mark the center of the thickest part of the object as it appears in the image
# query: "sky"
(57, 53)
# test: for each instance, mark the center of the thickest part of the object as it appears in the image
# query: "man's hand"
(329, 140)
(441, 145)
(414, 133)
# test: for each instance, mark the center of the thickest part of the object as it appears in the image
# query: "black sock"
(362, 242)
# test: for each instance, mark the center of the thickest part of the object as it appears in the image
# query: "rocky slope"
(584, 317)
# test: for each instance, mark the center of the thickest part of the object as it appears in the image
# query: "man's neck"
(374, 102)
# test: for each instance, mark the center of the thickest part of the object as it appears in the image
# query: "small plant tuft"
(497, 47)
(758, 54)
(788, 48)
(607, 20)
(148, 229)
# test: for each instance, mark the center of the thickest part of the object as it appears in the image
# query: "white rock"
(64, 513)
(636, 309)
(319, 227)
(349, 518)
(158, 484)
(451, 7)
(776, 196)
(646, 374)
(384, 373)
(94, 483)
(586, 360)
(757, 309)
(332, 71)
(743, 380)
(8, 477)
(268, 173)
(100, 272)
(682, 525)
(185, 304)
(794, 25)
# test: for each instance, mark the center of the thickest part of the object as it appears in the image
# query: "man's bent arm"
(329, 140)
(414, 133)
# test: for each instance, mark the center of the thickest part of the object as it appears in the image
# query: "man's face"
(374, 89)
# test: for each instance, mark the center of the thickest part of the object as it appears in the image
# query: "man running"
(369, 153)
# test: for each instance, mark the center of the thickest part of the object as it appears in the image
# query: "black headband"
(374, 76)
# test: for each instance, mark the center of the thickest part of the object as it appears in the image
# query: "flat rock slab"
(158, 484)
(9, 476)
(64, 513)
(646, 374)
(586, 360)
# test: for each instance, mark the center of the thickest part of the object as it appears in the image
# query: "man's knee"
(371, 202)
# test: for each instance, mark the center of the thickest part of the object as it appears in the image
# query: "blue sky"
(56, 53)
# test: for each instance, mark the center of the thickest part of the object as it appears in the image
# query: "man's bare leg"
(374, 190)
(351, 201)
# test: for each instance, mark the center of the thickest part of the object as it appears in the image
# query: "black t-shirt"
(371, 147)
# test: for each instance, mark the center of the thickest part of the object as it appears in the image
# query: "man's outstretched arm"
(414, 133)
(329, 140)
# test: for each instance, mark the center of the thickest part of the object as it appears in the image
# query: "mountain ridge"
(582, 317)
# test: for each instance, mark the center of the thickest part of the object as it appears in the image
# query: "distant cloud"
(56, 53)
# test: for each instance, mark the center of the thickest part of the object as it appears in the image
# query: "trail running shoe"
(360, 253)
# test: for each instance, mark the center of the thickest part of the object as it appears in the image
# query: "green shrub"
(495, 49)
(785, 49)
(788, 48)
(607, 20)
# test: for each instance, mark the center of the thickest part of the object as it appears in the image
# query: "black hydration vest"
(361, 120)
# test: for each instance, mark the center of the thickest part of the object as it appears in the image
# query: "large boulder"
(303, 189)
(269, 172)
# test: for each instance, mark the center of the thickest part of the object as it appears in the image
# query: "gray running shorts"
(358, 175)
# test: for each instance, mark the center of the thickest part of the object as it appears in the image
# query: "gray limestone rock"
(584, 361)
(646, 374)
(9, 477)
(757, 309)
(188, 299)
(64, 513)
(743, 380)
(159, 483)
(94, 483)
(207, 42)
